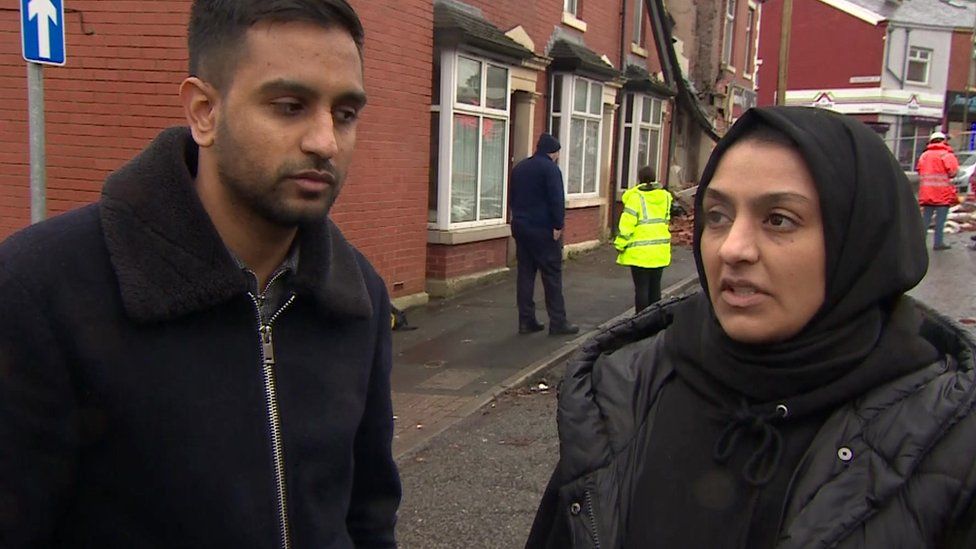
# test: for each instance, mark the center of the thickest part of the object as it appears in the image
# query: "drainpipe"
(621, 105)
(901, 83)
(623, 32)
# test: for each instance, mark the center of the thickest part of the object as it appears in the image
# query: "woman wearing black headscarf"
(800, 399)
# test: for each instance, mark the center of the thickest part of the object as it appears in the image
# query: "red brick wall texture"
(444, 262)
(582, 225)
(119, 88)
(120, 85)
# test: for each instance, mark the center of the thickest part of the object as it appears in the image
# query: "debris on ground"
(683, 229)
(518, 442)
(961, 218)
(540, 386)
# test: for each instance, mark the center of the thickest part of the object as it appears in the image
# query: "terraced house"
(901, 66)
(458, 92)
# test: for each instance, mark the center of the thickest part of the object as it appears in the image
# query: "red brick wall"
(444, 262)
(827, 47)
(119, 89)
(583, 225)
(384, 207)
(959, 60)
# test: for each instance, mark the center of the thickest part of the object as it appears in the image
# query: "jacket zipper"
(274, 416)
(592, 517)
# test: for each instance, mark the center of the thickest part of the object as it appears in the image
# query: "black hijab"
(864, 333)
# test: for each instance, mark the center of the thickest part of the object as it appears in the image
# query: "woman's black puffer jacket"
(907, 481)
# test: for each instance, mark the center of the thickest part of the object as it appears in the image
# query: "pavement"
(949, 285)
(466, 350)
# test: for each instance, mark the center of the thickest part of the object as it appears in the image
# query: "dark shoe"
(563, 329)
(973, 238)
(531, 328)
(941, 247)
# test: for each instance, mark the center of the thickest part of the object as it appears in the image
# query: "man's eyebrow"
(287, 86)
(356, 98)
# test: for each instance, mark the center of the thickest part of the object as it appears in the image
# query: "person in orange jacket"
(936, 193)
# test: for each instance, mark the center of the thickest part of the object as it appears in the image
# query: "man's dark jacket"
(537, 196)
(909, 485)
(134, 409)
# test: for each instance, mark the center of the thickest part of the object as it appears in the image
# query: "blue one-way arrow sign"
(42, 31)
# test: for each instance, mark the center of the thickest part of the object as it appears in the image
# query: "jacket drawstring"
(762, 464)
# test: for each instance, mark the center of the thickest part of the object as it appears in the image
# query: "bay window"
(577, 121)
(473, 128)
(640, 138)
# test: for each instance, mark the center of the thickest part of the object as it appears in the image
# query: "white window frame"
(638, 27)
(636, 124)
(571, 6)
(752, 23)
(447, 110)
(728, 34)
(915, 55)
(565, 117)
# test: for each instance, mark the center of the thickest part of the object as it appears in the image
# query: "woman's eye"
(780, 221)
(715, 217)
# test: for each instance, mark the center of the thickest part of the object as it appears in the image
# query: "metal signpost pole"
(42, 43)
(38, 156)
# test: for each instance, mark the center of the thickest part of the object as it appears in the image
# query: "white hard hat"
(937, 135)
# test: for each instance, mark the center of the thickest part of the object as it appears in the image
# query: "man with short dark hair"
(538, 212)
(200, 359)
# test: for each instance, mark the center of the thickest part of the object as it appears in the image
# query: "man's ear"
(200, 107)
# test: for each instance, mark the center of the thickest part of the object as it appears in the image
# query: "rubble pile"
(962, 218)
(682, 229)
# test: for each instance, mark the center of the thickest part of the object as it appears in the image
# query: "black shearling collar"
(170, 260)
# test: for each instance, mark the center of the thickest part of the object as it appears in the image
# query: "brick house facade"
(458, 92)
(890, 64)
(119, 88)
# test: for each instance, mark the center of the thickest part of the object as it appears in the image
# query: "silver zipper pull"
(267, 344)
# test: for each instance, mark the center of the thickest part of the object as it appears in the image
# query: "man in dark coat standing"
(538, 212)
(200, 359)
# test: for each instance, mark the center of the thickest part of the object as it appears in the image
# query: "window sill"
(730, 68)
(585, 202)
(571, 20)
(747, 76)
(453, 237)
(636, 49)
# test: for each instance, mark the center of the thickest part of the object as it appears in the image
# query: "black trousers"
(647, 286)
(536, 251)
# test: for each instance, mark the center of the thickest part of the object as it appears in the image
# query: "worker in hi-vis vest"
(644, 237)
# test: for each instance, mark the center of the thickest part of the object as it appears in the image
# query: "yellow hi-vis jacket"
(643, 237)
